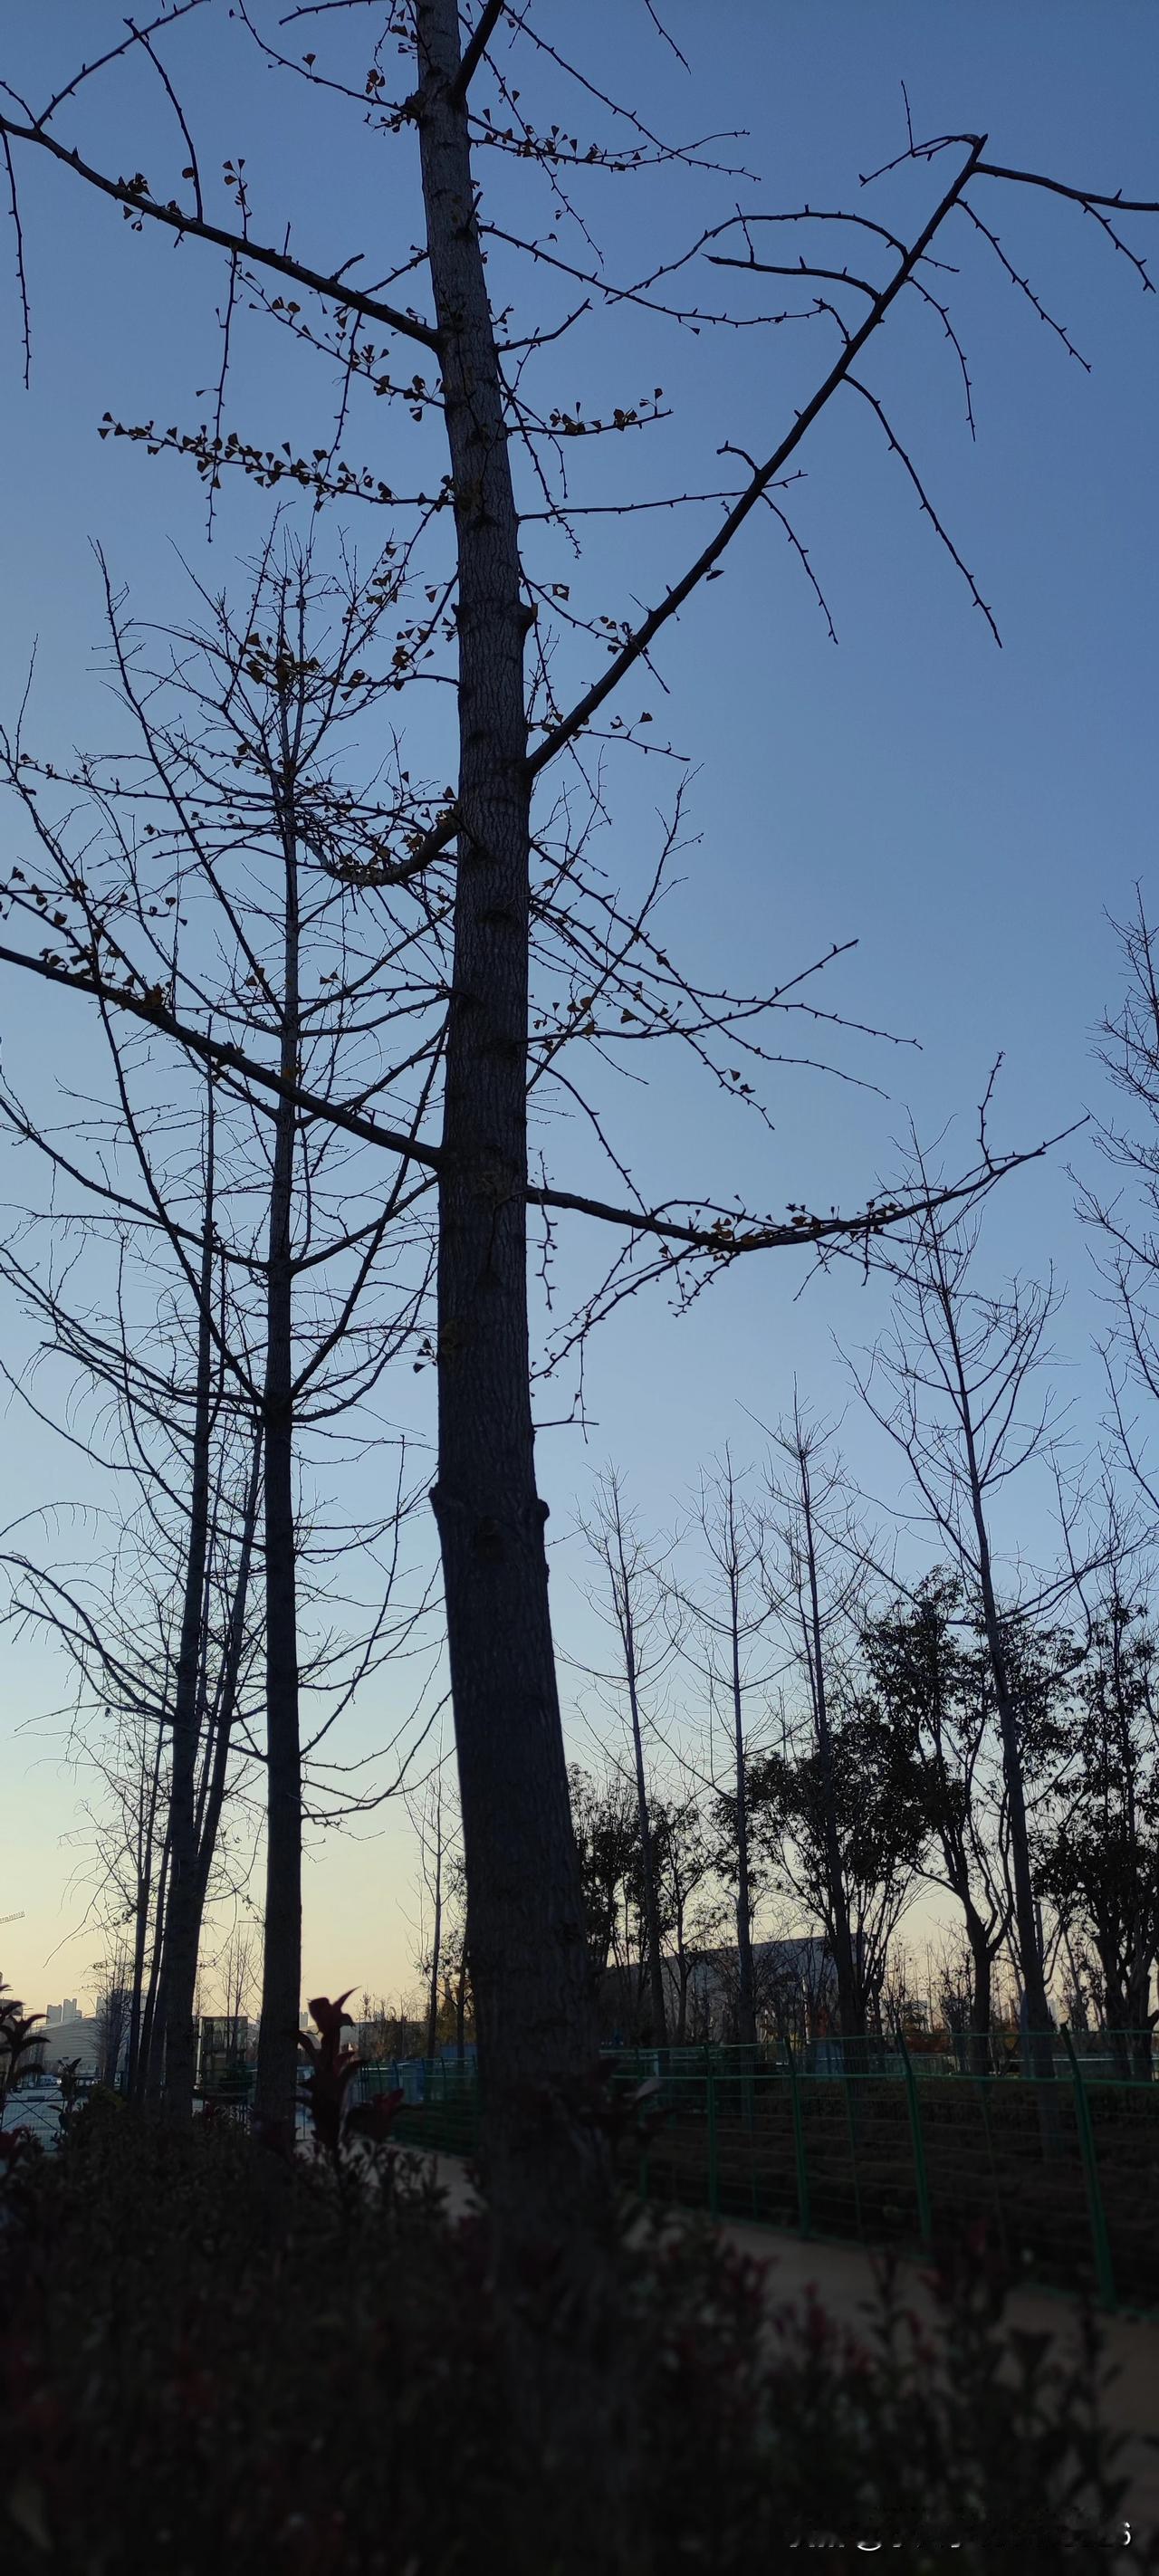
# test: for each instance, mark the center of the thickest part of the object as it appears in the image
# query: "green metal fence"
(879, 2144)
(442, 2111)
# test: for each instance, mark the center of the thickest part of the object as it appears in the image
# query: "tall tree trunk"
(647, 1846)
(141, 1924)
(1139, 1982)
(1026, 1921)
(436, 1939)
(546, 2158)
(746, 1991)
(535, 2012)
(182, 1923)
(850, 2009)
(683, 1964)
(461, 2003)
(274, 2090)
(982, 1961)
(1026, 1917)
(211, 1798)
(153, 2010)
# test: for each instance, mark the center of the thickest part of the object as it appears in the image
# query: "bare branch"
(645, 634)
(726, 1237)
(21, 272)
(489, 19)
(134, 195)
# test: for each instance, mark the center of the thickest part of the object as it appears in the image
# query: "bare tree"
(112, 2017)
(817, 1589)
(118, 1622)
(635, 1602)
(239, 1971)
(432, 1816)
(458, 2000)
(527, 1920)
(727, 1644)
(955, 1373)
(1125, 1225)
(229, 845)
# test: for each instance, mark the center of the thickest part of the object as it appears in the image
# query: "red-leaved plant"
(332, 2070)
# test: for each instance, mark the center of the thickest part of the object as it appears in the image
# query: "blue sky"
(970, 816)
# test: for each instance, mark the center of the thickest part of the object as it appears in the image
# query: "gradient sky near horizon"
(976, 819)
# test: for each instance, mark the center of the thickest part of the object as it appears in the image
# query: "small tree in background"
(936, 1691)
(953, 1383)
(20, 2042)
(634, 1601)
(1098, 1856)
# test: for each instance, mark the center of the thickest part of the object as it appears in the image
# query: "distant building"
(223, 2050)
(794, 1993)
(70, 2035)
(793, 1986)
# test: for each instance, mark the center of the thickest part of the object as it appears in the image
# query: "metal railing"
(440, 2106)
(877, 2143)
(1105, 2056)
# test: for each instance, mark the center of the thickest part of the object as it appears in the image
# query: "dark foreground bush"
(211, 2363)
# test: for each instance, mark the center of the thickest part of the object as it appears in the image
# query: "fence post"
(921, 2176)
(1100, 2240)
(713, 2158)
(804, 2220)
(999, 2205)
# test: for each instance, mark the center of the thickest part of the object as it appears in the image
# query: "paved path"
(843, 2276)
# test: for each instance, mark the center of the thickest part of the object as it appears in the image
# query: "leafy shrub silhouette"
(209, 2357)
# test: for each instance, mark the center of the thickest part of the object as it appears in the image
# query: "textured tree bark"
(647, 1846)
(183, 1913)
(656, 1993)
(211, 1798)
(141, 1922)
(461, 2004)
(535, 2011)
(982, 1960)
(153, 2009)
(851, 2010)
(436, 1941)
(274, 2089)
(545, 2157)
(1025, 1912)
(746, 1994)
